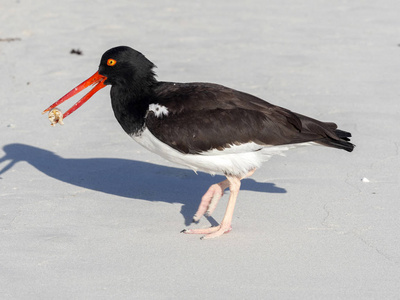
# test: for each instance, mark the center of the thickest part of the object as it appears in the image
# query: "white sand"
(86, 213)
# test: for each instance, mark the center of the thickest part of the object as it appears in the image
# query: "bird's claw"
(195, 219)
(211, 232)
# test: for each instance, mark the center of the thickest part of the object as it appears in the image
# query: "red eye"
(111, 62)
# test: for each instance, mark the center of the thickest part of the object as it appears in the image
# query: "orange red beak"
(96, 78)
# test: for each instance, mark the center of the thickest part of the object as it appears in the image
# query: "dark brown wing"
(203, 116)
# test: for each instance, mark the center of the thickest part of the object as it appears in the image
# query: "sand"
(86, 213)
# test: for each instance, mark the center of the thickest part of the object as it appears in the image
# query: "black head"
(127, 70)
(125, 66)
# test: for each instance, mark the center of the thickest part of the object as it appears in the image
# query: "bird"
(203, 126)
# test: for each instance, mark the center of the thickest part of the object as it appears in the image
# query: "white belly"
(236, 160)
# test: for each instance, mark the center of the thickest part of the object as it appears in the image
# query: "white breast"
(236, 160)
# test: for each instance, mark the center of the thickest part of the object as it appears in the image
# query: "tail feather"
(344, 135)
(326, 133)
(342, 141)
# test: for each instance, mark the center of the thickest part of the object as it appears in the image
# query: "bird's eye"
(111, 62)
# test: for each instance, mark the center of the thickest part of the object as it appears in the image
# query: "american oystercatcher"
(202, 126)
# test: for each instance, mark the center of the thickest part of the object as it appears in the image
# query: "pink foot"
(211, 232)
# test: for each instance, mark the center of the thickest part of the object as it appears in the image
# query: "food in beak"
(96, 78)
(56, 116)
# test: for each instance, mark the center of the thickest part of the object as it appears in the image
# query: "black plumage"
(204, 126)
(204, 116)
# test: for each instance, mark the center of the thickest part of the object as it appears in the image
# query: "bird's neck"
(130, 105)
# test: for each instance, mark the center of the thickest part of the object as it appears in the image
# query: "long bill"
(96, 78)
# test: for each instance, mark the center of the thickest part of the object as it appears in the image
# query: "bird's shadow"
(126, 178)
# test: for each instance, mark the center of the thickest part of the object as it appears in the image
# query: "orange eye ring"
(111, 62)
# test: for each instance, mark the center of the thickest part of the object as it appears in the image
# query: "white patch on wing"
(158, 110)
(236, 160)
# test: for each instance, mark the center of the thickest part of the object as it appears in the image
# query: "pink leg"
(225, 226)
(210, 199)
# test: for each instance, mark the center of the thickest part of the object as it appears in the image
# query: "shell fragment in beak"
(56, 116)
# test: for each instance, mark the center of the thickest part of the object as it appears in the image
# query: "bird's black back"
(204, 116)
